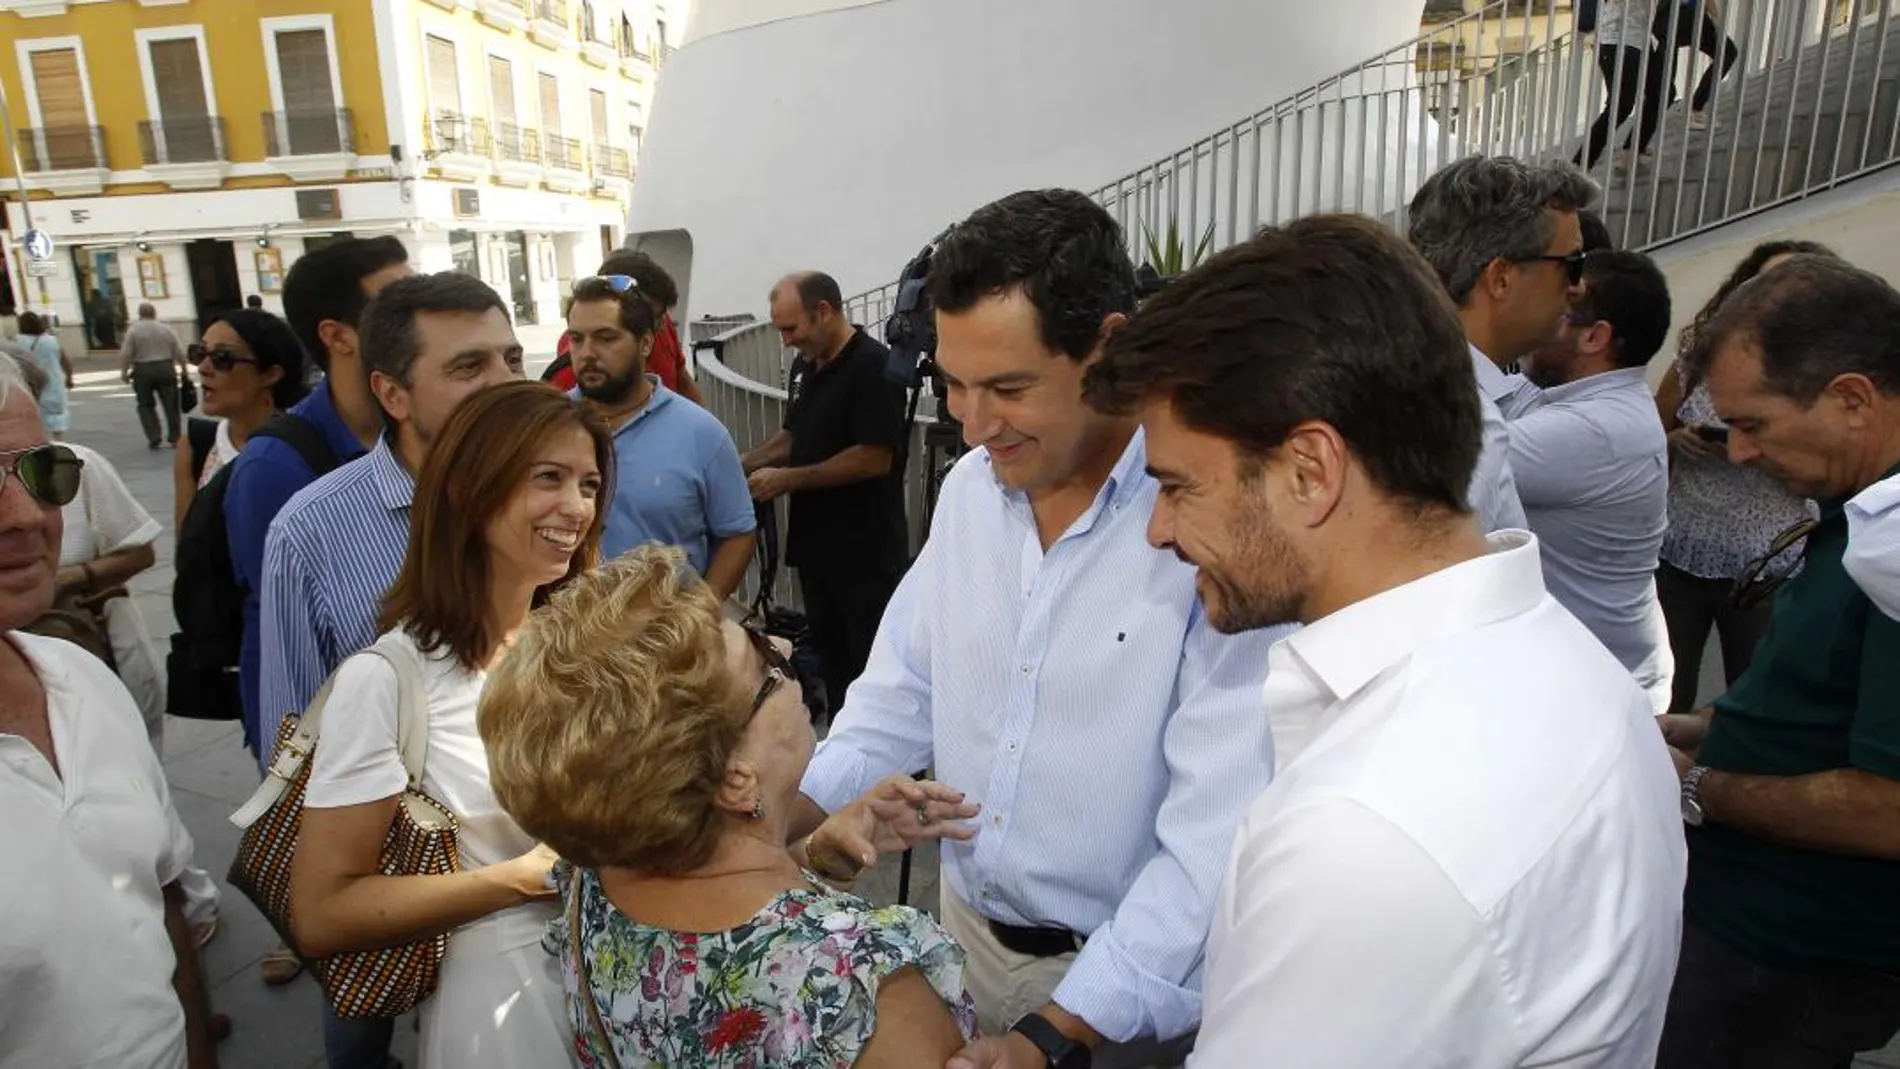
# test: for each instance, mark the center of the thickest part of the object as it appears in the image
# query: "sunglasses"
(779, 669)
(1573, 264)
(620, 283)
(50, 473)
(223, 358)
(1764, 575)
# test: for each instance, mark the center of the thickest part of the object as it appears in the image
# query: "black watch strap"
(1058, 1050)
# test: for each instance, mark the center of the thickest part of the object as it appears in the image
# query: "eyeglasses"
(50, 473)
(1573, 264)
(620, 283)
(223, 358)
(778, 668)
(1763, 576)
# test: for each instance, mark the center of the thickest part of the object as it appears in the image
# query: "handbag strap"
(580, 965)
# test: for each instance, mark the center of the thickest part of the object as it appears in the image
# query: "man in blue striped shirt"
(1054, 667)
(428, 342)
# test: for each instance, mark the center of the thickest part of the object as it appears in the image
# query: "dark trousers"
(1726, 1012)
(843, 606)
(1628, 84)
(356, 1042)
(155, 382)
(1707, 38)
(1692, 607)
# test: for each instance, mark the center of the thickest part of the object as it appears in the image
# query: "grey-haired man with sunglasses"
(1505, 240)
(1791, 782)
(100, 968)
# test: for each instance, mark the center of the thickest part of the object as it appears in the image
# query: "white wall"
(921, 110)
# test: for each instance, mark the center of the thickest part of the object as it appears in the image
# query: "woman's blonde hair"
(610, 723)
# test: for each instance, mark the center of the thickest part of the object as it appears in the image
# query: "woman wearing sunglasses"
(508, 508)
(252, 368)
(659, 747)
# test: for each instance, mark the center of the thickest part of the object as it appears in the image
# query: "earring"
(758, 808)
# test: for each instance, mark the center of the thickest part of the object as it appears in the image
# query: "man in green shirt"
(1791, 783)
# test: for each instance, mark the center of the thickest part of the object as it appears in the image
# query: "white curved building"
(843, 134)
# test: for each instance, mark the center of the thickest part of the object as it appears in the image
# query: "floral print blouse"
(795, 987)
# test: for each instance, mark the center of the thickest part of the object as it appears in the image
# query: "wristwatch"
(1692, 814)
(1059, 1050)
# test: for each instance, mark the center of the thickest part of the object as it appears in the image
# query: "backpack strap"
(412, 729)
(303, 436)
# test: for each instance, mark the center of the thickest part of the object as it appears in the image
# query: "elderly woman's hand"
(895, 815)
(532, 874)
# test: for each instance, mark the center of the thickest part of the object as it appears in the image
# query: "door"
(65, 138)
(311, 123)
(520, 284)
(184, 131)
(445, 85)
(214, 279)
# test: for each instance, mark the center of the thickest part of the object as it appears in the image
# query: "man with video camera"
(1056, 669)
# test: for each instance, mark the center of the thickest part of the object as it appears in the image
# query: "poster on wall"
(152, 278)
(270, 269)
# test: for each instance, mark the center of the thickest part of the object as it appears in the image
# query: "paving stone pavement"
(212, 774)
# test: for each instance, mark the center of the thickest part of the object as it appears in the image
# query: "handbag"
(421, 842)
(187, 393)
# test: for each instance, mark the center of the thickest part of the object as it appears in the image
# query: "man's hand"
(1683, 762)
(125, 374)
(768, 484)
(1685, 731)
(1685, 442)
(895, 815)
(1009, 1051)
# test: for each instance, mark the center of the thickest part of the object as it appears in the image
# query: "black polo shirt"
(1822, 693)
(846, 403)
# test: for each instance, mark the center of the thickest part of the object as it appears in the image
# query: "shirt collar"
(1492, 382)
(1879, 498)
(1350, 648)
(660, 399)
(1124, 479)
(393, 482)
(1605, 382)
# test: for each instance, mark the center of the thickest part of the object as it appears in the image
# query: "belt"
(1036, 942)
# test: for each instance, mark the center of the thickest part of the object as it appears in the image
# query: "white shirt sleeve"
(1873, 544)
(1344, 946)
(118, 520)
(356, 759)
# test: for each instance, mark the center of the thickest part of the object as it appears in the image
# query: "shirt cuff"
(835, 777)
(1123, 1001)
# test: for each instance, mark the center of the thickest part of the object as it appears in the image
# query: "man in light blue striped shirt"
(429, 341)
(1056, 669)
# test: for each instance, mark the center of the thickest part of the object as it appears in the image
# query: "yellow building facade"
(185, 152)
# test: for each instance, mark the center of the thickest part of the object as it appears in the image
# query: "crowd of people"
(1304, 658)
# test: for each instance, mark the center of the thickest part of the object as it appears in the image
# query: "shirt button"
(1025, 669)
(997, 820)
(1010, 746)
(989, 892)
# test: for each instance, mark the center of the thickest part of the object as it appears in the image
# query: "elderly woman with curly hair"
(659, 747)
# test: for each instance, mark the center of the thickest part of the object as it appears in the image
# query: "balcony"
(64, 159)
(599, 53)
(187, 153)
(517, 155)
(549, 26)
(503, 14)
(459, 146)
(637, 65)
(613, 173)
(452, 5)
(311, 146)
(565, 170)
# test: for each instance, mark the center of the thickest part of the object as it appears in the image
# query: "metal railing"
(551, 11)
(612, 162)
(517, 144)
(62, 148)
(309, 133)
(463, 135)
(563, 152)
(194, 139)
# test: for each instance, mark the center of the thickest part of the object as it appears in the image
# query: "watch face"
(1692, 812)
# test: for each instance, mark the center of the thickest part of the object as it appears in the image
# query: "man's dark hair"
(816, 288)
(636, 315)
(31, 323)
(1059, 247)
(1812, 319)
(1627, 291)
(1485, 208)
(254, 303)
(391, 341)
(272, 344)
(327, 283)
(1330, 318)
(643, 269)
(1596, 232)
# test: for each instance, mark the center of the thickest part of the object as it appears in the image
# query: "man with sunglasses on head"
(100, 967)
(1505, 240)
(1592, 465)
(1791, 782)
(678, 481)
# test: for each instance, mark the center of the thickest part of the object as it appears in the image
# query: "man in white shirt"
(1504, 238)
(97, 967)
(1592, 464)
(1470, 854)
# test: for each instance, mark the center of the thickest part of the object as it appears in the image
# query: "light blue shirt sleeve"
(729, 508)
(1558, 458)
(290, 664)
(886, 727)
(1140, 974)
(1493, 495)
